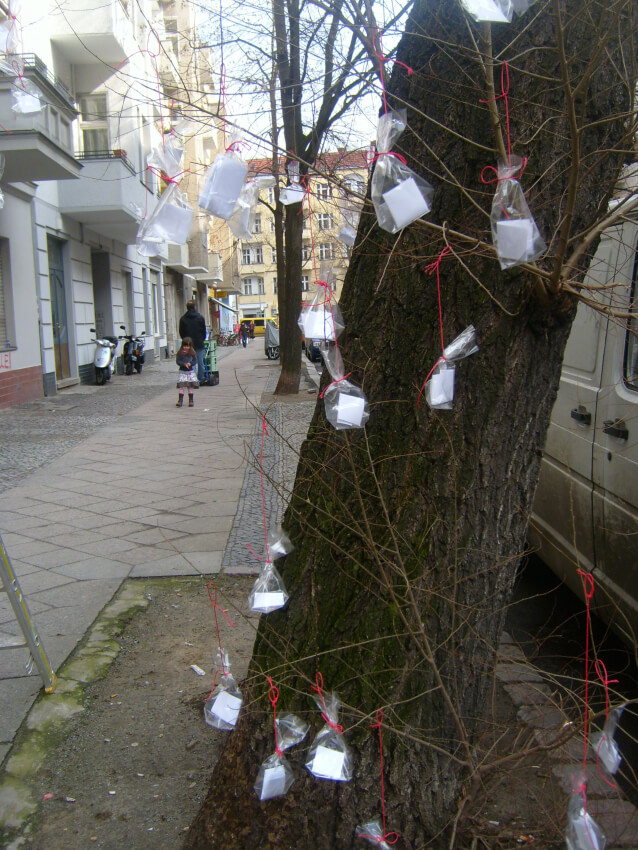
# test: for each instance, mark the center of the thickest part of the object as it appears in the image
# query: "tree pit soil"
(135, 766)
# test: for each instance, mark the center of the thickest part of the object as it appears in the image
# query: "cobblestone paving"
(36, 433)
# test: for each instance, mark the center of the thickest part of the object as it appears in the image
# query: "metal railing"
(31, 62)
(114, 154)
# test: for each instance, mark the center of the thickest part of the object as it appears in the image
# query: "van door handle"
(581, 415)
(615, 428)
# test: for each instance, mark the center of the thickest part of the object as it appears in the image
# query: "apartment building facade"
(76, 185)
(337, 188)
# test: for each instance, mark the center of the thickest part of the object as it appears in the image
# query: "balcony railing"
(114, 154)
(34, 66)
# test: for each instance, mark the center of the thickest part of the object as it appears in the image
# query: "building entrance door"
(58, 310)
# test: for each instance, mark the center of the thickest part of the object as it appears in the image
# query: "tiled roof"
(327, 163)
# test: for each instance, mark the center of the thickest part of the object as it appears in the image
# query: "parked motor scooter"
(133, 352)
(104, 357)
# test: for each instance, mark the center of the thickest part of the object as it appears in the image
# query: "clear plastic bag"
(166, 158)
(372, 832)
(604, 745)
(27, 97)
(291, 730)
(278, 543)
(439, 391)
(223, 184)
(497, 11)
(346, 406)
(582, 831)
(398, 194)
(333, 360)
(329, 757)
(323, 319)
(274, 778)
(170, 221)
(293, 193)
(514, 232)
(9, 41)
(221, 709)
(268, 592)
(242, 220)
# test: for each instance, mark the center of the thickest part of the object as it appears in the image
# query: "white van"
(585, 512)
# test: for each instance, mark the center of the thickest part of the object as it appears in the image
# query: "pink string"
(318, 687)
(273, 696)
(435, 267)
(387, 153)
(601, 672)
(382, 60)
(217, 607)
(332, 384)
(387, 836)
(588, 589)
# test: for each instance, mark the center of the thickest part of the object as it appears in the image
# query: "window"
(245, 257)
(257, 223)
(248, 286)
(304, 283)
(274, 285)
(94, 126)
(324, 190)
(305, 253)
(631, 343)
(261, 288)
(273, 255)
(326, 251)
(272, 225)
(325, 221)
(258, 253)
(171, 40)
(271, 200)
(355, 186)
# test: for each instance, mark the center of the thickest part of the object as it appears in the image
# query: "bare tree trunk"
(290, 304)
(408, 534)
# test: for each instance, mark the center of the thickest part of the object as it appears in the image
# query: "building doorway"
(59, 316)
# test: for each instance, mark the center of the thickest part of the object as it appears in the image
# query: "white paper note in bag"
(515, 239)
(274, 782)
(173, 223)
(406, 203)
(442, 387)
(487, 10)
(318, 325)
(226, 707)
(328, 764)
(273, 600)
(350, 409)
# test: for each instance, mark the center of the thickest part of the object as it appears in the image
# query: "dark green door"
(58, 309)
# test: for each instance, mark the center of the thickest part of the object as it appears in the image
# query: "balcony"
(108, 196)
(190, 259)
(38, 146)
(90, 33)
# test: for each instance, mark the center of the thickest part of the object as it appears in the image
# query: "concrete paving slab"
(215, 542)
(58, 557)
(176, 565)
(87, 569)
(16, 697)
(150, 536)
(41, 580)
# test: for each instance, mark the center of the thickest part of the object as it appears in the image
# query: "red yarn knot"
(588, 583)
(388, 153)
(332, 383)
(273, 696)
(318, 687)
(496, 179)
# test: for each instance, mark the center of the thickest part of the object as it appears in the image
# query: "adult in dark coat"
(193, 324)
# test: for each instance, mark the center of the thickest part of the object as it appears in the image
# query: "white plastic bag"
(372, 832)
(582, 831)
(9, 41)
(439, 390)
(329, 756)
(221, 709)
(274, 778)
(398, 194)
(346, 406)
(605, 746)
(333, 360)
(268, 592)
(170, 221)
(223, 184)
(27, 97)
(514, 232)
(497, 11)
(323, 319)
(291, 730)
(242, 220)
(278, 543)
(166, 158)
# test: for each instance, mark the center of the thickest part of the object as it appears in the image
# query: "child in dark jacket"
(186, 359)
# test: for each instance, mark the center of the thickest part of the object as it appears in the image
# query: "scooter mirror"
(93, 331)
(123, 327)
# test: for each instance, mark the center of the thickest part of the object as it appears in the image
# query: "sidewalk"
(154, 493)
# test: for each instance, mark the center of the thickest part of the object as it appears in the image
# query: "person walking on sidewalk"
(244, 334)
(193, 325)
(186, 359)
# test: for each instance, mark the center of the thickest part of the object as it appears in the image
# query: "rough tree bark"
(408, 535)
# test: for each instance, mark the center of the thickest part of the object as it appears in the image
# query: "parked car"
(313, 352)
(260, 324)
(585, 513)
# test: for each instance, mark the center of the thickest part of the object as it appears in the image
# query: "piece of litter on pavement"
(134, 744)
(198, 670)
(48, 796)
(188, 643)
(111, 793)
(140, 775)
(69, 799)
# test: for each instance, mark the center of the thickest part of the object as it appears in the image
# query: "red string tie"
(318, 687)
(388, 153)
(273, 696)
(332, 383)
(510, 176)
(235, 147)
(382, 60)
(163, 176)
(588, 590)
(388, 837)
(601, 672)
(435, 267)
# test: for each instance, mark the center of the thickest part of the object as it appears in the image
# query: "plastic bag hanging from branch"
(323, 319)
(495, 11)
(329, 756)
(275, 774)
(582, 832)
(604, 744)
(242, 220)
(170, 221)
(398, 194)
(293, 193)
(278, 543)
(514, 232)
(346, 405)
(222, 707)
(372, 832)
(376, 832)
(291, 730)
(223, 183)
(166, 158)
(268, 592)
(439, 388)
